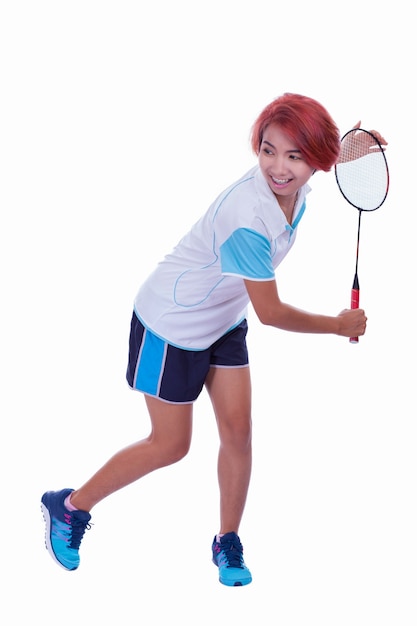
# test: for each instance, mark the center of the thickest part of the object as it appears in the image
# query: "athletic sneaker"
(228, 556)
(64, 529)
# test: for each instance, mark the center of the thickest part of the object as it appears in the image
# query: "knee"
(237, 434)
(178, 451)
(170, 451)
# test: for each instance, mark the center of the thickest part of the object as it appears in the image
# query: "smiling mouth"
(280, 181)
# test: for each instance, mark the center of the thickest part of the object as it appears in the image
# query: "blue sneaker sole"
(236, 583)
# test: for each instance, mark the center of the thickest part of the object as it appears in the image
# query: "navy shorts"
(175, 375)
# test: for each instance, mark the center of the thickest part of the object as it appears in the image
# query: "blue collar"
(295, 223)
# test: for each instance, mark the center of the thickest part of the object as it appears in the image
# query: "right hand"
(352, 322)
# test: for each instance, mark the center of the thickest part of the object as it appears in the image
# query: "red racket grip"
(354, 304)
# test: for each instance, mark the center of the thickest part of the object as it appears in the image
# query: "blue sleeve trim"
(247, 253)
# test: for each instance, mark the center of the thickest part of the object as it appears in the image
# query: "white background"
(120, 123)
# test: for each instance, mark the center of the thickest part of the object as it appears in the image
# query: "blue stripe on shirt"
(247, 253)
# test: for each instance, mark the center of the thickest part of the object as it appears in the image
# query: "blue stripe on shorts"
(150, 364)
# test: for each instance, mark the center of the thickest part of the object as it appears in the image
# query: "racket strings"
(362, 173)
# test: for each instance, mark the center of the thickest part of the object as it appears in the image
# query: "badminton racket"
(363, 178)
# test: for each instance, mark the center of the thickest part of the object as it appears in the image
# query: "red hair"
(307, 123)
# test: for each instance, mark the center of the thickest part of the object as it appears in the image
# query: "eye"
(295, 157)
(267, 151)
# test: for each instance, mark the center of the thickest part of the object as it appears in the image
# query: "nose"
(279, 166)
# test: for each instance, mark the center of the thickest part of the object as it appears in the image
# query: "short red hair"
(307, 123)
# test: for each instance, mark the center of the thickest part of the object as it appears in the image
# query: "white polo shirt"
(197, 294)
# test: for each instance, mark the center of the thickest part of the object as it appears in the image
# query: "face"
(282, 164)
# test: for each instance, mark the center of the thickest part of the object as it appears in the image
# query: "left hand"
(357, 145)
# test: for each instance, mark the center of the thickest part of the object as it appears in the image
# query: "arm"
(272, 312)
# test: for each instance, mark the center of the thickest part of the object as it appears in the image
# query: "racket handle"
(354, 304)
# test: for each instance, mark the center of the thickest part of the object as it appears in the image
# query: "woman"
(189, 327)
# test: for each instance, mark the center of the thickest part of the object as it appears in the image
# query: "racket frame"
(355, 291)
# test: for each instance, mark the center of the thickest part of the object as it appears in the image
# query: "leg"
(230, 393)
(168, 442)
